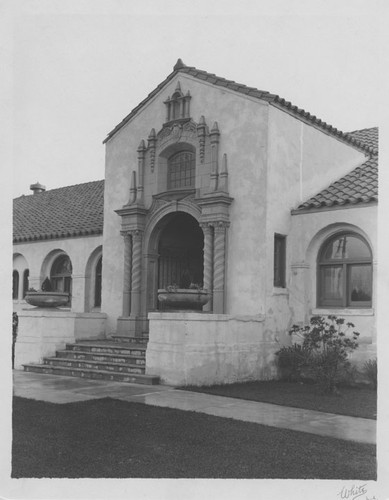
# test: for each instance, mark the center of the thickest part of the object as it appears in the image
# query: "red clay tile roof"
(273, 99)
(59, 213)
(359, 186)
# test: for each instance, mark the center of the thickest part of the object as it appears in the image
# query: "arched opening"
(19, 277)
(15, 285)
(180, 252)
(26, 276)
(93, 280)
(98, 273)
(344, 272)
(61, 275)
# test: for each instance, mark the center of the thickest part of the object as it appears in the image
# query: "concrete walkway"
(58, 389)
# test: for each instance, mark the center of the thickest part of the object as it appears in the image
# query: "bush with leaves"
(370, 370)
(291, 361)
(328, 343)
(47, 286)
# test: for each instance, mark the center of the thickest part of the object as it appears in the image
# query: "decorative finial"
(215, 129)
(179, 64)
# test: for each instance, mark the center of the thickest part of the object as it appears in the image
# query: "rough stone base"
(204, 349)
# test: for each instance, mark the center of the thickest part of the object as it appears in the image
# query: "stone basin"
(47, 299)
(182, 298)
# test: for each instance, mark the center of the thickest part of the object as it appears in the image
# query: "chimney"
(37, 188)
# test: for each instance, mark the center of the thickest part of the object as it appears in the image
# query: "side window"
(279, 261)
(345, 272)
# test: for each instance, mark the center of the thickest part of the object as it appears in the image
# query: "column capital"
(125, 234)
(220, 225)
(135, 233)
(206, 226)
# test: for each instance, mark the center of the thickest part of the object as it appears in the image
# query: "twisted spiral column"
(208, 262)
(219, 263)
(136, 272)
(127, 274)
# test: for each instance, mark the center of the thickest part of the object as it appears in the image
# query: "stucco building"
(230, 188)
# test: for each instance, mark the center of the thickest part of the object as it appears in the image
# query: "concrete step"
(132, 378)
(94, 365)
(98, 356)
(108, 348)
(131, 340)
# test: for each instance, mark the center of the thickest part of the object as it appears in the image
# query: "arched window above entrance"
(181, 170)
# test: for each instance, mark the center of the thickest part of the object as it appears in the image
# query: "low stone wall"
(202, 349)
(43, 331)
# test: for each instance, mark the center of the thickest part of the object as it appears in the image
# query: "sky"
(80, 67)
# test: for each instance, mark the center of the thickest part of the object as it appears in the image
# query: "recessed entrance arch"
(176, 254)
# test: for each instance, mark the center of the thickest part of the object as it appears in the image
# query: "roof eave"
(334, 206)
(135, 110)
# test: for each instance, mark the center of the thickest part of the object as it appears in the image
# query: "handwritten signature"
(355, 492)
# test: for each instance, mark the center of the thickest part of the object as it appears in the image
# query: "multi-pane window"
(61, 274)
(279, 260)
(345, 272)
(181, 170)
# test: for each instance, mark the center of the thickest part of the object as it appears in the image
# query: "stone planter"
(182, 298)
(47, 299)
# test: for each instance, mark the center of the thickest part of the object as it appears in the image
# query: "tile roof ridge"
(60, 188)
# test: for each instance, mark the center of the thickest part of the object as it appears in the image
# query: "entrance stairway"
(121, 359)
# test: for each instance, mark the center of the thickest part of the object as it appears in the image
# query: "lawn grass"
(360, 401)
(109, 438)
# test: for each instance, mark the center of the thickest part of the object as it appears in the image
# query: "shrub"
(370, 370)
(291, 361)
(328, 342)
(46, 286)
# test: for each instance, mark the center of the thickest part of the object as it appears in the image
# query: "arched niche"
(93, 280)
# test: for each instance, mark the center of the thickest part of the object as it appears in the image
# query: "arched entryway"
(180, 250)
(176, 255)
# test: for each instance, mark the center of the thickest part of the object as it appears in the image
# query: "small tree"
(328, 341)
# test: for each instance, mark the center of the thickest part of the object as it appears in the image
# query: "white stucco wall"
(275, 162)
(242, 123)
(308, 233)
(302, 161)
(37, 256)
(205, 349)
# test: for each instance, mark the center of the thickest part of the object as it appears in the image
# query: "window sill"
(280, 291)
(343, 312)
